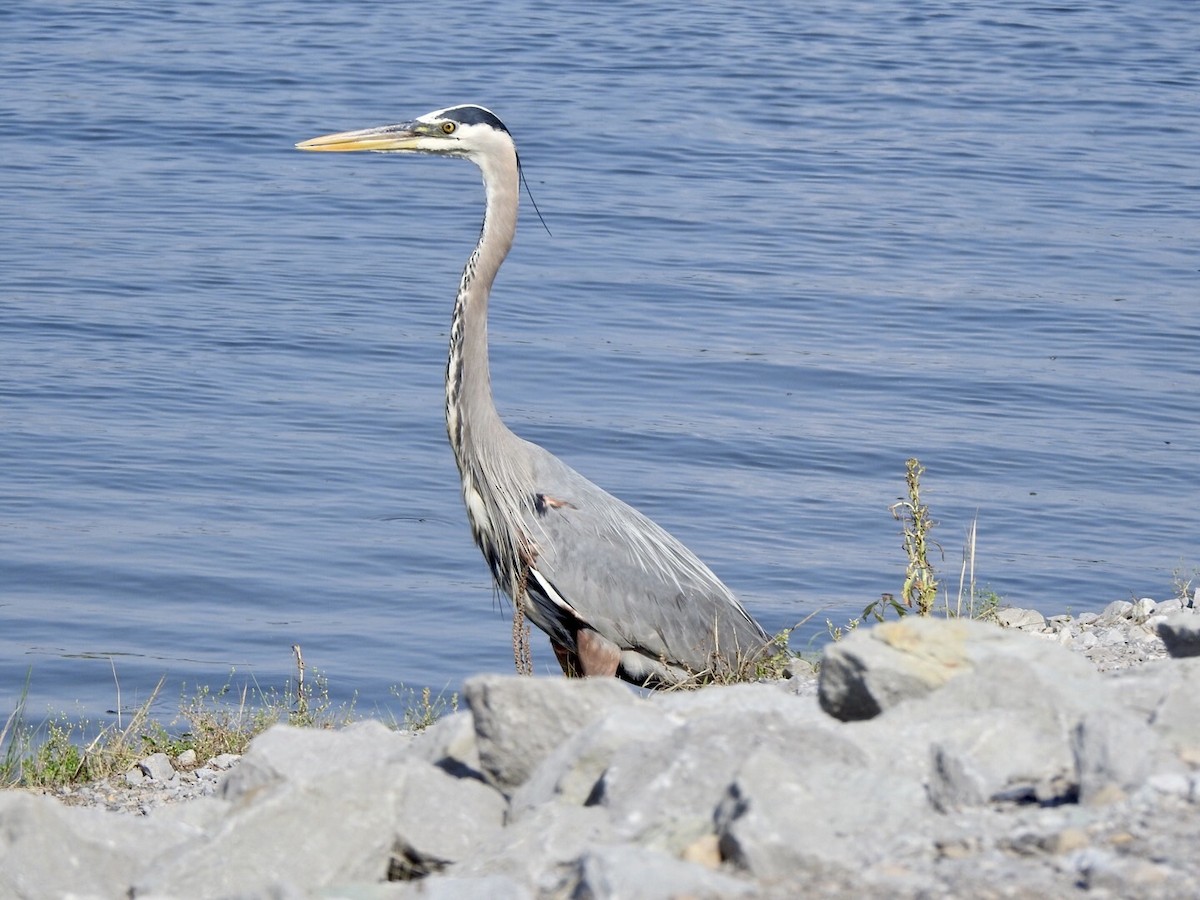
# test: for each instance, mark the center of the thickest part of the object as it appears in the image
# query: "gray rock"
(663, 793)
(1024, 619)
(873, 669)
(1111, 637)
(638, 873)
(1001, 731)
(737, 698)
(48, 850)
(284, 754)
(1103, 872)
(520, 721)
(41, 854)
(539, 851)
(157, 767)
(1175, 782)
(570, 773)
(808, 806)
(449, 743)
(1005, 755)
(316, 808)
(1181, 633)
(876, 668)
(439, 820)
(186, 759)
(1176, 709)
(1118, 609)
(1143, 609)
(1116, 752)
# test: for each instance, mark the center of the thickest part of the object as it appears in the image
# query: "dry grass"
(62, 750)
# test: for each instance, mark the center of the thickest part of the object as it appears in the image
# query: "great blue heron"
(615, 592)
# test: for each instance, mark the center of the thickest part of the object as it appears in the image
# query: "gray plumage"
(614, 591)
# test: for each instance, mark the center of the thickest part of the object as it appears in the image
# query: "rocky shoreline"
(930, 758)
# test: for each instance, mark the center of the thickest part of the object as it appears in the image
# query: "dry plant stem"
(301, 699)
(968, 565)
(920, 584)
(142, 714)
(522, 653)
(117, 682)
(13, 738)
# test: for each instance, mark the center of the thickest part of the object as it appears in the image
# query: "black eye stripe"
(474, 115)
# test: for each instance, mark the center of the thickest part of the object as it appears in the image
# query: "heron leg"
(594, 655)
(568, 660)
(597, 655)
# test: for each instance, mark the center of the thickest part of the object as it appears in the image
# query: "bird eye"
(449, 127)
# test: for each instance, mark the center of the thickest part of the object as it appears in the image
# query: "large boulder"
(521, 721)
(317, 808)
(874, 669)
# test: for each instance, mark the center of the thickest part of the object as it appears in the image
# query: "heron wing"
(602, 564)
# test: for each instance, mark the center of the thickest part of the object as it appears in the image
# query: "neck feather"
(471, 416)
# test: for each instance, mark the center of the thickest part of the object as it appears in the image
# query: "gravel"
(155, 781)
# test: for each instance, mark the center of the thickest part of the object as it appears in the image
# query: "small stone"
(1086, 641)
(1087, 618)
(134, 777)
(224, 761)
(1118, 609)
(1142, 609)
(1173, 783)
(186, 759)
(1054, 637)
(1068, 840)
(1024, 619)
(157, 767)
(956, 848)
(1025, 843)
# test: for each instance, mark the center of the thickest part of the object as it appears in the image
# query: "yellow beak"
(388, 137)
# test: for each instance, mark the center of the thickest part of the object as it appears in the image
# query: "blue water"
(791, 247)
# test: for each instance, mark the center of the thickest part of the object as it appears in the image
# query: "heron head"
(455, 131)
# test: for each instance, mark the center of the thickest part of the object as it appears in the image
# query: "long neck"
(487, 453)
(471, 417)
